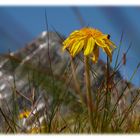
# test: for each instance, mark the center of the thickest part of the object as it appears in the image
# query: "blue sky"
(20, 25)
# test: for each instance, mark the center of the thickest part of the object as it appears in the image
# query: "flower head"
(89, 40)
(24, 114)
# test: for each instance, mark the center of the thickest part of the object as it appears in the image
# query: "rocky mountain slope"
(23, 73)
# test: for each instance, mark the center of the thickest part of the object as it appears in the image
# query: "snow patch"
(10, 77)
(1, 65)
(33, 53)
(2, 87)
(44, 33)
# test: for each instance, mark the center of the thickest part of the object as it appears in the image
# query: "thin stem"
(107, 98)
(88, 92)
(77, 86)
(6, 120)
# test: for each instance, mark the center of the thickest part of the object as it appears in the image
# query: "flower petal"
(100, 43)
(74, 33)
(110, 43)
(76, 48)
(68, 44)
(108, 52)
(102, 37)
(90, 46)
(95, 54)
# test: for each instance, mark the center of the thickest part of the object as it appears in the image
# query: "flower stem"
(88, 92)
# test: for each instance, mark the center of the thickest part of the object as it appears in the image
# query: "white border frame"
(70, 2)
(67, 3)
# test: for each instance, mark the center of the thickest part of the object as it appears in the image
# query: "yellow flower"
(37, 129)
(24, 114)
(89, 40)
(34, 130)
